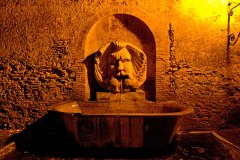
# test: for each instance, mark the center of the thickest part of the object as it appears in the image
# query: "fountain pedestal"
(120, 97)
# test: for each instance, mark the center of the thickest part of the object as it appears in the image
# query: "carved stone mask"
(120, 66)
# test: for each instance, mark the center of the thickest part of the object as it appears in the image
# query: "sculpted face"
(120, 65)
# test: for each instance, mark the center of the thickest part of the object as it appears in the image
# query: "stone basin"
(121, 124)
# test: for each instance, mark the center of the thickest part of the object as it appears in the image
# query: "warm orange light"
(205, 9)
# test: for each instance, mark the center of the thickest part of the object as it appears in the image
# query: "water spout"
(121, 90)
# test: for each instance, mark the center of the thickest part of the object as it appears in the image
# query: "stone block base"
(120, 97)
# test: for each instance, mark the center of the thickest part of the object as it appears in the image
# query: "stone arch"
(118, 24)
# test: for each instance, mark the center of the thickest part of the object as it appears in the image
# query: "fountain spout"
(121, 91)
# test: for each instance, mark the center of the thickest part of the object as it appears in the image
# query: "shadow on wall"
(93, 84)
(233, 115)
(41, 136)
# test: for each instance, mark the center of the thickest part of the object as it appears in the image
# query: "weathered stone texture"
(43, 46)
(28, 86)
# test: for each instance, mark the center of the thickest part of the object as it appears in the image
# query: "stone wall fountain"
(120, 117)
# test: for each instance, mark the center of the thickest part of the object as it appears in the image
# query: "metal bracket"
(232, 38)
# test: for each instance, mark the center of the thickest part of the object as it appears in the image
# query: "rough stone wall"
(28, 86)
(41, 55)
(202, 74)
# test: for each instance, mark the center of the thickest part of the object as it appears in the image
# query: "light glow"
(205, 9)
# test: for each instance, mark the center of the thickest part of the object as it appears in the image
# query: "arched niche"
(121, 27)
